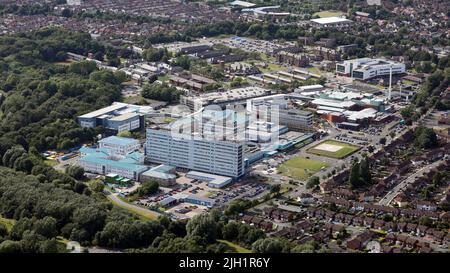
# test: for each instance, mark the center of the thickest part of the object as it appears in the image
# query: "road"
(149, 214)
(387, 199)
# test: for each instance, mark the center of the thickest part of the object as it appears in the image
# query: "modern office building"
(119, 145)
(118, 117)
(296, 120)
(104, 161)
(367, 68)
(193, 152)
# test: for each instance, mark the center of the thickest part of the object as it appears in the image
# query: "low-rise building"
(119, 145)
(367, 68)
(118, 117)
(214, 181)
(163, 174)
(104, 161)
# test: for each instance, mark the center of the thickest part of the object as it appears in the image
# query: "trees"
(203, 226)
(9, 246)
(75, 172)
(125, 234)
(360, 174)
(237, 206)
(275, 189)
(147, 188)
(425, 138)
(230, 231)
(364, 171)
(354, 179)
(183, 62)
(309, 247)
(313, 182)
(268, 245)
(156, 54)
(160, 92)
(46, 227)
(44, 97)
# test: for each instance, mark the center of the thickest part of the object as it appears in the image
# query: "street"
(387, 199)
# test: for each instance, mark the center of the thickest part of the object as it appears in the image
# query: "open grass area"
(133, 99)
(301, 168)
(328, 13)
(51, 163)
(8, 223)
(142, 213)
(66, 63)
(238, 248)
(271, 68)
(164, 78)
(314, 70)
(344, 149)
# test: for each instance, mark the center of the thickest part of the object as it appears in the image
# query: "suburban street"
(387, 199)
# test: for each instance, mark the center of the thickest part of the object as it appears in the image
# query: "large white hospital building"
(200, 154)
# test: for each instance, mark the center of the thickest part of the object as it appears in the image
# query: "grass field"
(314, 70)
(328, 13)
(164, 78)
(301, 168)
(345, 150)
(142, 213)
(238, 248)
(51, 163)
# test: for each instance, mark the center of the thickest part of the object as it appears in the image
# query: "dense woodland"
(43, 97)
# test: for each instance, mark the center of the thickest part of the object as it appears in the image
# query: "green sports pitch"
(301, 168)
(328, 13)
(334, 149)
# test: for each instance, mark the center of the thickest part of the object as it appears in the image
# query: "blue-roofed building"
(105, 161)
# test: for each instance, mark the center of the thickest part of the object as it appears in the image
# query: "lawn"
(133, 99)
(301, 168)
(51, 163)
(8, 223)
(314, 70)
(328, 13)
(345, 150)
(238, 248)
(164, 78)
